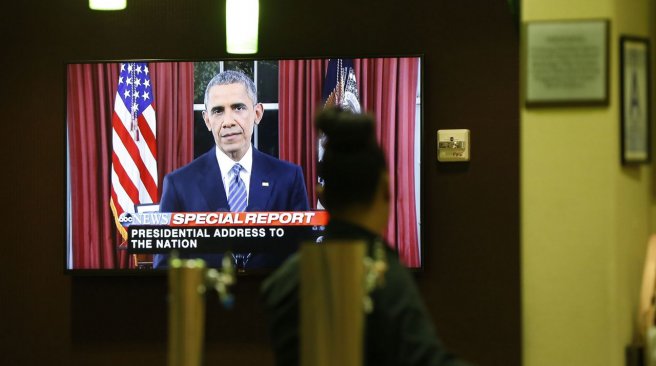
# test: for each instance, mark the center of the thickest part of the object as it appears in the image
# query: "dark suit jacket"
(198, 187)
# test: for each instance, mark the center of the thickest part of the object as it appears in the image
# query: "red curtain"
(173, 84)
(300, 85)
(90, 96)
(388, 90)
(91, 90)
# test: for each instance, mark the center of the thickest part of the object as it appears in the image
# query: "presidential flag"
(134, 142)
(340, 89)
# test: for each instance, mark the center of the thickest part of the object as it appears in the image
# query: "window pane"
(203, 140)
(203, 73)
(267, 133)
(267, 81)
(244, 66)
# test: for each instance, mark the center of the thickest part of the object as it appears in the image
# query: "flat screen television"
(130, 123)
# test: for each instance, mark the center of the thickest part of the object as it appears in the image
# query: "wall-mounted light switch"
(452, 145)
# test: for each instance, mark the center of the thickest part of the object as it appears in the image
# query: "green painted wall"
(585, 217)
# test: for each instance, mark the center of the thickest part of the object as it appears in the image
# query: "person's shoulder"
(398, 278)
(273, 161)
(282, 283)
(196, 166)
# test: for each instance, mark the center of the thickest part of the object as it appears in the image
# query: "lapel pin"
(265, 184)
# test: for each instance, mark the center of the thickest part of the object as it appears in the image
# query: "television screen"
(140, 156)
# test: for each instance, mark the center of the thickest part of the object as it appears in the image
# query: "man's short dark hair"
(232, 77)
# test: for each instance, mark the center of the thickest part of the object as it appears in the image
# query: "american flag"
(134, 142)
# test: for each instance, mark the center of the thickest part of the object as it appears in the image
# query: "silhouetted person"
(399, 331)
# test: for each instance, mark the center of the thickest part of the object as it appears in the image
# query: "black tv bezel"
(87, 272)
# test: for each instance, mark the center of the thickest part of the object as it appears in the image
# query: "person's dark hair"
(352, 160)
(232, 77)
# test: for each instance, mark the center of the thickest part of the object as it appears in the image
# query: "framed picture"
(635, 100)
(566, 63)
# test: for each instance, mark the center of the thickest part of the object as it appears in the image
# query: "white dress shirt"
(226, 164)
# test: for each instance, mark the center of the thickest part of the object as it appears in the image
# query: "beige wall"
(652, 21)
(585, 217)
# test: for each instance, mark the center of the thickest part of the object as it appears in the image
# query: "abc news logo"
(152, 218)
(125, 219)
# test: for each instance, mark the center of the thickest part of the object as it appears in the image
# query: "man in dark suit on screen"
(233, 175)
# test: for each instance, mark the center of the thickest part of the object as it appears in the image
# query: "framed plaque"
(635, 100)
(567, 63)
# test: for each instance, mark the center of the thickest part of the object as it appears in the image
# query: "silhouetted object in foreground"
(399, 330)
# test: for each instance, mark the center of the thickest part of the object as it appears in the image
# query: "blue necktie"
(238, 200)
